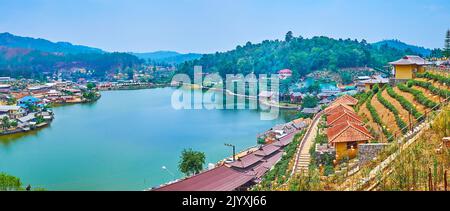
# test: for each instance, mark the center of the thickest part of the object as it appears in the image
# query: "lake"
(122, 141)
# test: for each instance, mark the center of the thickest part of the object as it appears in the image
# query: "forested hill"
(29, 63)
(170, 57)
(301, 55)
(403, 46)
(32, 58)
(13, 41)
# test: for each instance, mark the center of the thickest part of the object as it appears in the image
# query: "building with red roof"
(346, 100)
(346, 136)
(343, 116)
(284, 74)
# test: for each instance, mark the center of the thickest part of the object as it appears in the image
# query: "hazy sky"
(207, 26)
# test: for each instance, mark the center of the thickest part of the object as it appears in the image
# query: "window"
(352, 144)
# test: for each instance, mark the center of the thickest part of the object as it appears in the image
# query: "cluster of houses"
(283, 130)
(24, 103)
(345, 129)
(124, 85)
(247, 170)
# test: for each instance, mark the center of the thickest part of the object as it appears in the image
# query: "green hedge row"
(405, 103)
(418, 96)
(362, 99)
(376, 118)
(427, 85)
(400, 123)
(440, 78)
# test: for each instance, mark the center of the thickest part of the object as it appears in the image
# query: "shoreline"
(24, 132)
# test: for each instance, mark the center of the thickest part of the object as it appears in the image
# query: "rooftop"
(410, 60)
(348, 132)
(220, 178)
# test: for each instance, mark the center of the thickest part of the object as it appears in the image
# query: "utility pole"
(234, 150)
(410, 122)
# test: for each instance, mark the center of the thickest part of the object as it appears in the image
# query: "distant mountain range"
(25, 56)
(170, 57)
(13, 41)
(403, 46)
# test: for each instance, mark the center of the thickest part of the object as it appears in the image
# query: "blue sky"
(207, 26)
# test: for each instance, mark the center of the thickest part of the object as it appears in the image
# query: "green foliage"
(310, 101)
(346, 77)
(362, 98)
(427, 85)
(9, 183)
(418, 96)
(439, 78)
(90, 96)
(300, 55)
(90, 85)
(281, 171)
(400, 123)
(314, 88)
(33, 63)
(191, 162)
(328, 170)
(405, 103)
(376, 118)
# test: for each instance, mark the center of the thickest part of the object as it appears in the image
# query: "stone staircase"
(303, 156)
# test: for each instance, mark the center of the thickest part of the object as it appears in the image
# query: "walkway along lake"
(122, 141)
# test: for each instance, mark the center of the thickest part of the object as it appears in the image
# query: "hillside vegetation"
(298, 54)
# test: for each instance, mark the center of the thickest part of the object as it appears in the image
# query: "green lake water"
(122, 141)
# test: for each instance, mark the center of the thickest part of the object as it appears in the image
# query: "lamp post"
(167, 170)
(234, 150)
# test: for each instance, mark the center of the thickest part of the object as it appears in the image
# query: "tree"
(90, 85)
(310, 101)
(346, 78)
(9, 183)
(14, 123)
(191, 162)
(447, 45)
(315, 87)
(289, 36)
(5, 122)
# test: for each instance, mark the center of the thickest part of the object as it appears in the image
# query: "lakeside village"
(338, 134)
(25, 104)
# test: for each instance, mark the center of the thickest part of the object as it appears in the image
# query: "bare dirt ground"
(410, 98)
(365, 114)
(386, 115)
(435, 83)
(427, 93)
(404, 114)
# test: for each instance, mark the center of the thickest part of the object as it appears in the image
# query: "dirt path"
(386, 116)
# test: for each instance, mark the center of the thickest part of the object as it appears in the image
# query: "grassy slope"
(411, 169)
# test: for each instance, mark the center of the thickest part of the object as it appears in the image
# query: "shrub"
(400, 123)
(418, 96)
(439, 78)
(427, 85)
(376, 118)
(405, 103)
